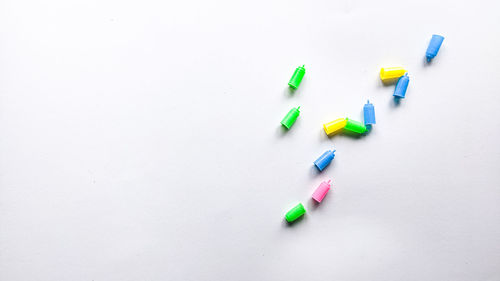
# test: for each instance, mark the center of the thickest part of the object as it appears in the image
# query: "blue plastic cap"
(434, 46)
(401, 86)
(369, 113)
(324, 160)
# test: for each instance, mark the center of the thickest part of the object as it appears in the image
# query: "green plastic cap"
(297, 77)
(295, 213)
(355, 126)
(290, 117)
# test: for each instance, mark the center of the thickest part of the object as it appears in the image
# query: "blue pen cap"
(324, 160)
(401, 86)
(434, 46)
(369, 113)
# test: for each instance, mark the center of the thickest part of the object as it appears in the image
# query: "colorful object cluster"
(352, 126)
(391, 75)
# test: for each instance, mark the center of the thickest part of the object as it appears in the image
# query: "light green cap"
(355, 126)
(297, 77)
(295, 213)
(290, 117)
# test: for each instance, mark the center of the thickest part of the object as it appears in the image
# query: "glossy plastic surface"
(355, 126)
(324, 159)
(297, 77)
(388, 73)
(295, 213)
(369, 113)
(290, 117)
(434, 46)
(321, 191)
(335, 126)
(401, 87)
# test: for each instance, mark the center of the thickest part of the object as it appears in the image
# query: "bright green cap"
(290, 117)
(355, 126)
(297, 77)
(295, 213)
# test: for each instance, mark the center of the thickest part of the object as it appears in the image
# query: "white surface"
(140, 140)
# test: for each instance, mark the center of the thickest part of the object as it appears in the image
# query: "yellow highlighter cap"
(334, 126)
(387, 73)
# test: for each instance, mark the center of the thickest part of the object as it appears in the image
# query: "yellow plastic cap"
(334, 126)
(387, 73)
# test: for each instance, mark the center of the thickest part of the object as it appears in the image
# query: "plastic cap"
(290, 117)
(355, 126)
(388, 73)
(295, 213)
(297, 77)
(434, 45)
(324, 159)
(321, 191)
(334, 126)
(369, 113)
(401, 86)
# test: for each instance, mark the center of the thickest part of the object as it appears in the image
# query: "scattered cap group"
(387, 75)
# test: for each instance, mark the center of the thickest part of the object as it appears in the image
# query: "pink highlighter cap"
(321, 191)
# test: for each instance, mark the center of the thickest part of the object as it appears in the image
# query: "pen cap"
(355, 126)
(297, 77)
(321, 191)
(369, 113)
(290, 117)
(388, 73)
(295, 213)
(434, 46)
(335, 126)
(324, 159)
(401, 86)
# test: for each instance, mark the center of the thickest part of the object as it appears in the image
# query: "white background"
(140, 140)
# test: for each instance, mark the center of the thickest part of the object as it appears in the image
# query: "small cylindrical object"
(295, 213)
(434, 46)
(335, 126)
(324, 159)
(369, 113)
(290, 117)
(388, 73)
(321, 191)
(355, 126)
(297, 77)
(401, 86)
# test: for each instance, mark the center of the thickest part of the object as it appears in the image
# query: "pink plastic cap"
(321, 191)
